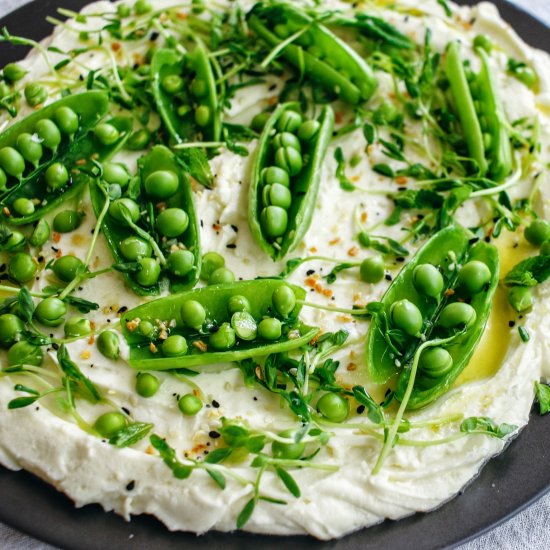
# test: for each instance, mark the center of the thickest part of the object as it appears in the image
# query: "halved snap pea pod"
(446, 289)
(480, 113)
(185, 94)
(161, 207)
(317, 52)
(30, 146)
(68, 176)
(286, 175)
(216, 324)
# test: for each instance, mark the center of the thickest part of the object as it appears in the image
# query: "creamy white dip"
(46, 442)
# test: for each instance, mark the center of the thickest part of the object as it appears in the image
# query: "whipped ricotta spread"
(498, 383)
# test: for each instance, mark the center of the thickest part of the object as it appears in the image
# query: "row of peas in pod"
(444, 295)
(217, 323)
(286, 177)
(152, 228)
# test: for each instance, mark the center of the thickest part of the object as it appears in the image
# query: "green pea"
(274, 174)
(172, 84)
(133, 248)
(162, 184)
(142, 6)
(308, 130)
(525, 74)
(77, 326)
(149, 273)
(22, 267)
(220, 276)
(238, 303)
(210, 262)
(181, 262)
(123, 10)
(106, 134)
(284, 300)
(121, 209)
(174, 346)
(67, 221)
(372, 270)
(56, 176)
(23, 206)
(14, 72)
(189, 404)
(25, 353)
(286, 139)
(147, 384)
(289, 121)
(193, 314)
(67, 120)
(115, 172)
(202, 115)
(274, 221)
(457, 315)
(172, 222)
(259, 121)
(67, 268)
(270, 328)
(49, 133)
(520, 298)
(537, 232)
(30, 147)
(244, 325)
(11, 328)
(288, 451)
(198, 87)
(474, 276)
(279, 195)
(147, 329)
(108, 344)
(3, 180)
(223, 339)
(50, 312)
(40, 234)
(406, 316)
(427, 280)
(289, 160)
(139, 140)
(109, 424)
(483, 42)
(12, 162)
(35, 94)
(15, 242)
(333, 407)
(435, 362)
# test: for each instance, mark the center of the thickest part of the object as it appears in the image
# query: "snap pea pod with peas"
(185, 94)
(444, 292)
(216, 324)
(155, 216)
(480, 113)
(286, 175)
(316, 52)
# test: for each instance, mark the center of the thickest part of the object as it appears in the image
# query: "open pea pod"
(427, 388)
(90, 107)
(316, 52)
(278, 219)
(170, 313)
(79, 160)
(185, 94)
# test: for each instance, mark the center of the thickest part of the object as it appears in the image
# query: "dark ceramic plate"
(506, 485)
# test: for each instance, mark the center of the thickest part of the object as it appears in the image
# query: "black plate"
(506, 485)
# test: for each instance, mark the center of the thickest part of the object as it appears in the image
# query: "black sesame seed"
(231, 245)
(122, 309)
(310, 272)
(215, 404)
(360, 409)
(388, 277)
(131, 485)
(511, 324)
(214, 434)
(55, 346)
(124, 409)
(235, 228)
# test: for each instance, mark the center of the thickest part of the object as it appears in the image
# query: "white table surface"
(529, 529)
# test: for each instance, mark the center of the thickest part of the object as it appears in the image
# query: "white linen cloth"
(528, 529)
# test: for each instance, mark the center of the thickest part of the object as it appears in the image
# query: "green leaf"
(289, 482)
(195, 162)
(217, 477)
(20, 402)
(20, 387)
(368, 132)
(71, 370)
(543, 397)
(384, 170)
(487, 426)
(131, 434)
(374, 413)
(333, 275)
(218, 455)
(529, 272)
(345, 183)
(246, 513)
(168, 455)
(273, 500)
(25, 305)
